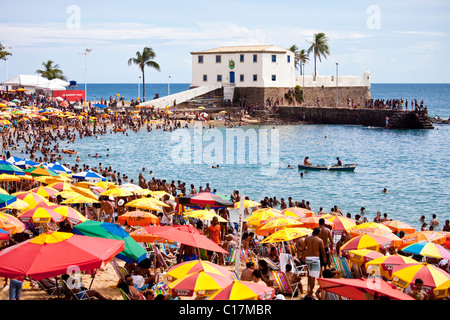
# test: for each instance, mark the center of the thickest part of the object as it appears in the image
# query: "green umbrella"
(9, 168)
(41, 171)
(6, 199)
(133, 251)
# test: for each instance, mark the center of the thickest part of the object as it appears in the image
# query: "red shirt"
(215, 233)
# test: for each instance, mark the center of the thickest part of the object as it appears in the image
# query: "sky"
(397, 41)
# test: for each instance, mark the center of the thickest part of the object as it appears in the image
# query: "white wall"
(330, 81)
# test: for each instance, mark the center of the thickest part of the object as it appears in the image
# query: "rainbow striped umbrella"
(428, 249)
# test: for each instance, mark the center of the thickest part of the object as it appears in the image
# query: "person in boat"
(306, 162)
(339, 162)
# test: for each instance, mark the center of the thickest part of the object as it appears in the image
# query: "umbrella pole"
(95, 273)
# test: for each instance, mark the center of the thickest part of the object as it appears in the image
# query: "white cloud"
(423, 33)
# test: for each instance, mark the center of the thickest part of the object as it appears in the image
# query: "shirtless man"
(167, 211)
(339, 162)
(306, 162)
(327, 238)
(312, 249)
(106, 210)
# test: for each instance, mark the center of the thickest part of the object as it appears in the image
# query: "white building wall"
(263, 68)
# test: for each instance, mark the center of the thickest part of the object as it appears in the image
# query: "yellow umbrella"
(3, 191)
(61, 186)
(384, 265)
(278, 223)
(69, 213)
(262, 215)
(204, 215)
(143, 204)
(67, 194)
(11, 223)
(85, 192)
(143, 192)
(362, 256)
(117, 192)
(79, 199)
(31, 198)
(287, 234)
(160, 194)
(106, 184)
(9, 177)
(84, 184)
(189, 267)
(247, 204)
(442, 290)
(18, 205)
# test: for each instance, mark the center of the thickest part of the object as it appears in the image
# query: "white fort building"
(257, 73)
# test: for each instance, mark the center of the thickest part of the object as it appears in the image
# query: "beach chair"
(234, 275)
(272, 265)
(120, 271)
(346, 271)
(231, 256)
(283, 285)
(164, 263)
(51, 291)
(124, 295)
(248, 255)
(71, 295)
(4, 293)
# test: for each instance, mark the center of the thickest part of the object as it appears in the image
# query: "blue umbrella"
(26, 163)
(6, 167)
(88, 175)
(133, 251)
(58, 167)
(13, 159)
(6, 199)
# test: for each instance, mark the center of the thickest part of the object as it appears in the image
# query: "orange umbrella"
(142, 235)
(312, 222)
(297, 212)
(430, 236)
(138, 218)
(398, 226)
(11, 223)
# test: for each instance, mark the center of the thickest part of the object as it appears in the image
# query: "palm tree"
(320, 48)
(300, 57)
(4, 53)
(144, 59)
(51, 71)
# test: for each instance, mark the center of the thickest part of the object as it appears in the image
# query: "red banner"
(69, 95)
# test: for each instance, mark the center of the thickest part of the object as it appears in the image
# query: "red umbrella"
(204, 199)
(51, 254)
(355, 289)
(189, 236)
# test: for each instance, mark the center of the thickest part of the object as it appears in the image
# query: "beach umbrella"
(3, 191)
(201, 283)
(53, 253)
(31, 198)
(88, 175)
(9, 177)
(13, 159)
(85, 192)
(143, 235)
(182, 269)
(143, 192)
(78, 200)
(26, 163)
(428, 249)
(204, 215)
(132, 252)
(41, 214)
(366, 241)
(442, 290)
(188, 236)
(355, 289)
(430, 236)
(85, 184)
(61, 186)
(279, 223)
(313, 222)
(59, 168)
(384, 265)
(367, 228)
(397, 226)
(258, 216)
(244, 290)
(117, 192)
(205, 199)
(130, 187)
(138, 218)
(6, 167)
(40, 171)
(362, 256)
(6, 224)
(144, 204)
(69, 214)
(6, 199)
(4, 235)
(161, 194)
(432, 277)
(155, 201)
(341, 224)
(45, 191)
(247, 204)
(105, 185)
(17, 205)
(297, 212)
(287, 234)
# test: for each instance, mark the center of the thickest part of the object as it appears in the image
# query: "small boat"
(345, 167)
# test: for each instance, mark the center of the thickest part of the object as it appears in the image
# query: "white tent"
(27, 81)
(54, 84)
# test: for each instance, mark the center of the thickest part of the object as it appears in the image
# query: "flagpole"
(241, 222)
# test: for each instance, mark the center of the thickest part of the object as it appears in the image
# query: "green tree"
(51, 71)
(4, 53)
(319, 46)
(300, 57)
(143, 59)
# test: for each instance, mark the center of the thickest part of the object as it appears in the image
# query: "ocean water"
(411, 164)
